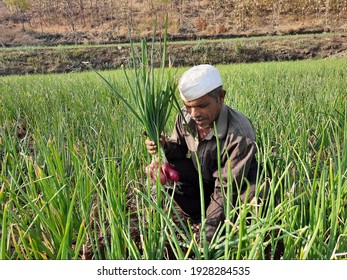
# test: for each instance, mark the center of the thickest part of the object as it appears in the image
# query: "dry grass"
(196, 16)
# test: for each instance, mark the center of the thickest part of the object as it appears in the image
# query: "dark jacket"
(237, 155)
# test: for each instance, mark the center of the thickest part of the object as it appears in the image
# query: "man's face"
(205, 110)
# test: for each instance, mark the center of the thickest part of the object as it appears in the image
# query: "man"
(203, 96)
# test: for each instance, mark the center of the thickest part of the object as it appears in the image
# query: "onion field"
(73, 182)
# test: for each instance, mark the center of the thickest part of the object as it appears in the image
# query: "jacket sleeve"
(236, 158)
(176, 147)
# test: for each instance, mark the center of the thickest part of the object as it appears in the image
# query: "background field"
(72, 183)
(97, 31)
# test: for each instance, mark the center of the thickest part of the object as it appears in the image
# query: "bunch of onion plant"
(151, 92)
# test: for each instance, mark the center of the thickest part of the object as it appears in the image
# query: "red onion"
(166, 172)
(170, 172)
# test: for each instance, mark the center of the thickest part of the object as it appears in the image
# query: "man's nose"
(194, 112)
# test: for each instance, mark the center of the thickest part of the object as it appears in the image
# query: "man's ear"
(222, 94)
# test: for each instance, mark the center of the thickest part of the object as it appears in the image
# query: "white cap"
(198, 81)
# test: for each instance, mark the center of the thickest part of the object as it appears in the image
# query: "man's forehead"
(199, 101)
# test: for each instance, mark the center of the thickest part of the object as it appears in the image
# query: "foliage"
(72, 184)
(152, 93)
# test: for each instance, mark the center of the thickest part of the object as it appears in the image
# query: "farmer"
(203, 96)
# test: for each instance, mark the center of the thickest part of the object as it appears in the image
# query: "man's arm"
(236, 159)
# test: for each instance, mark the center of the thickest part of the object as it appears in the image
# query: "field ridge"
(62, 59)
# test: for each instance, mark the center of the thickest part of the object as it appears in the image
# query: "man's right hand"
(152, 147)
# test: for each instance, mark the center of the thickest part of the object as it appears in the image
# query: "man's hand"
(152, 147)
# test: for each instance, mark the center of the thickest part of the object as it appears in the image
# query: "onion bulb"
(166, 172)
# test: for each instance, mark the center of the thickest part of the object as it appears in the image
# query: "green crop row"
(72, 159)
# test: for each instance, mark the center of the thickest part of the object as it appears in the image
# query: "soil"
(215, 50)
